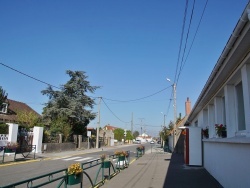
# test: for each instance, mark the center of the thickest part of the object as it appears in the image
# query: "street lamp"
(174, 128)
(164, 124)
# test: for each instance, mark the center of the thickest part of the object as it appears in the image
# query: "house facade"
(225, 99)
(9, 110)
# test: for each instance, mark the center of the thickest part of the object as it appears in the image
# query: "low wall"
(228, 161)
(58, 147)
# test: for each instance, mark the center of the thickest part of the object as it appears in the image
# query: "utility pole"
(132, 124)
(174, 135)
(141, 125)
(98, 124)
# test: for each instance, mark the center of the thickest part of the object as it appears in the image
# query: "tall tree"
(71, 102)
(3, 96)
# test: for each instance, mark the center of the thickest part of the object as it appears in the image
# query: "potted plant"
(121, 155)
(74, 174)
(221, 130)
(105, 163)
(11, 147)
(140, 150)
(205, 132)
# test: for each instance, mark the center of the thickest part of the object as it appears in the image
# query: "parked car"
(137, 142)
(159, 142)
(152, 142)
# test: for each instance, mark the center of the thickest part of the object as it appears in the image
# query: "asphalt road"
(29, 169)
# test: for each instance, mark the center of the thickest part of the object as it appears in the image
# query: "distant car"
(152, 142)
(159, 142)
(137, 142)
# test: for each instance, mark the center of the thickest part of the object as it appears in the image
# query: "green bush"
(4, 128)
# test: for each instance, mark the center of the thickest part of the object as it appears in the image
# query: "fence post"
(37, 138)
(13, 131)
(79, 141)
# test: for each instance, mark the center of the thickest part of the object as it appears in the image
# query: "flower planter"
(121, 158)
(106, 164)
(223, 134)
(74, 179)
(9, 150)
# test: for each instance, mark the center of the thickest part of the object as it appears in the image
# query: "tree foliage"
(3, 96)
(165, 132)
(136, 134)
(70, 104)
(27, 119)
(129, 135)
(119, 134)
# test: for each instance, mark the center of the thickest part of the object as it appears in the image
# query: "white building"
(225, 99)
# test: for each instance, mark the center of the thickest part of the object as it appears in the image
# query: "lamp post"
(174, 128)
(98, 125)
(164, 124)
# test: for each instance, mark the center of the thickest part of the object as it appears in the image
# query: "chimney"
(188, 107)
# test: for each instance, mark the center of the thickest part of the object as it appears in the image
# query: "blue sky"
(128, 48)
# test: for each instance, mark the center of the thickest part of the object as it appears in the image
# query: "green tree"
(119, 134)
(136, 134)
(3, 96)
(71, 102)
(60, 125)
(27, 119)
(165, 132)
(129, 135)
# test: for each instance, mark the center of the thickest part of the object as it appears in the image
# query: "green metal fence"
(59, 178)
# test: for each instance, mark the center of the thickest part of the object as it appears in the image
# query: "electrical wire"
(29, 76)
(193, 38)
(138, 98)
(181, 40)
(113, 112)
(185, 46)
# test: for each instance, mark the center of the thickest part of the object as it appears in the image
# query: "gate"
(24, 137)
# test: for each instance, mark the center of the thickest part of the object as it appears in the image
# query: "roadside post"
(89, 135)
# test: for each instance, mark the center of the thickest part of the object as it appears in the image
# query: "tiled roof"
(109, 127)
(13, 107)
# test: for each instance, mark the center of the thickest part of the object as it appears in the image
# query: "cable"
(193, 38)
(29, 76)
(180, 47)
(138, 98)
(190, 22)
(114, 113)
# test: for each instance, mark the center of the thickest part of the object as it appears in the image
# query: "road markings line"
(83, 159)
(72, 158)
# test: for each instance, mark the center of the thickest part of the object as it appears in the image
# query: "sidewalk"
(157, 170)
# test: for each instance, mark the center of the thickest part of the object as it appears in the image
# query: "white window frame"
(4, 108)
(243, 131)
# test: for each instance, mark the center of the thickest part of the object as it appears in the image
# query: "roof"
(230, 59)
(13, 108)
(109, 127)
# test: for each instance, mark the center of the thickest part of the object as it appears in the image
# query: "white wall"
(229, 163)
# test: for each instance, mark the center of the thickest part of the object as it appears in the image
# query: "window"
(3, 108)
(240, 107)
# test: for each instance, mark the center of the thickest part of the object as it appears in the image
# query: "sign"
(89, 133)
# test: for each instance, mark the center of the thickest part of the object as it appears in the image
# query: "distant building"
(109, 127)
(144, 138)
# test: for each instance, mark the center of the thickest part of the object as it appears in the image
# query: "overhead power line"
(139, 98)
(29, 76)
(114, 113)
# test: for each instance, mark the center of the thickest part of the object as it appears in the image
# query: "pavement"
(155, 169)
(158, 169)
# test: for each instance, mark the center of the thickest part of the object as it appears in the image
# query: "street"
(33, 168)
